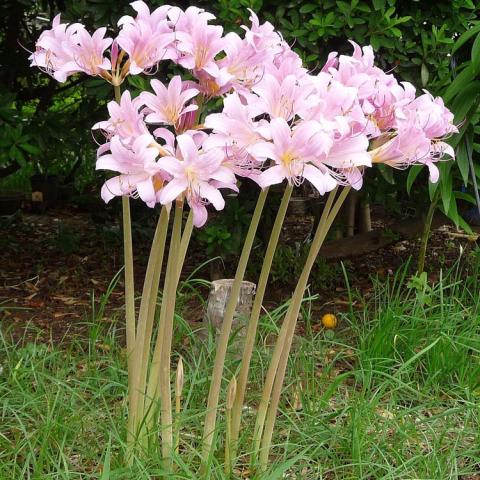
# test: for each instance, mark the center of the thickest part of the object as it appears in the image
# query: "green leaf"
(379, 4)
(106, 464)
(466, 197)
(309, 7)
(432, 188)
(465, 37)
(279, 472)
(424, 74)
(412, 175)
(446, 183)
(33, 149)
(387, 173)
(465, 100)
(452, 214)
(459, 84)
(476, 55)
(462, 162)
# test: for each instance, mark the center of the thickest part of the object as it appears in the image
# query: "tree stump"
(217, 303)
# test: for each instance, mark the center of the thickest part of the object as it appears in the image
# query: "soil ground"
(56, 266)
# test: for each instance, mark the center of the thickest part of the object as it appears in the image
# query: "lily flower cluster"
(278, 121)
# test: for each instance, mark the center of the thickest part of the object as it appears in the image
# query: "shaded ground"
(56, 267)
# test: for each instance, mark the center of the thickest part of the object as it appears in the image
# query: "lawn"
(392, 393)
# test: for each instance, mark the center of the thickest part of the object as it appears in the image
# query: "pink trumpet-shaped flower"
(68, 49)
(263, 37)
(140, 172)
(197, 175)
(55, 50)
(89, 54)
(293, 152)
(198, 43)
(347, 157)
(410, 146)
(281, 98)
(234, 131)
(147, 39)
(167, 105)
(125, 119)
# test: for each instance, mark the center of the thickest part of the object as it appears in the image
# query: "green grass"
(393, 394)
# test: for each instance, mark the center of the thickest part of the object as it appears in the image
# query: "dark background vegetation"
(45, 139)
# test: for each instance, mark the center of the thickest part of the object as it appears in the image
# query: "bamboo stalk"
(272, 369)
(291, 321)
(255, 315)
(215, 385)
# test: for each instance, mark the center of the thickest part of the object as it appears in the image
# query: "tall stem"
(146, 319)
(159, 377)
(291, 321)
(215, 385)
(272, 369)
(154, 378)
(129, 302)
(427, 226)
(170, 297)
(255, 315)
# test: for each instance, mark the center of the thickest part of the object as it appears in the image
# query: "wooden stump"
(217, 303)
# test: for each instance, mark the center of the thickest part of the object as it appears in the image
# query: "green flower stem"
(129, 301)
(231, 393)
(255, 314)
(146, 318)
(187, 233)
(215, 385)
(152, 389)
(272, 369)
(291, 321)
(160, 366)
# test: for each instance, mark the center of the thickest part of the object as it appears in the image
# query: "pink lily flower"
(293, 152)
(281, 99)
(263, 37)
(140, 172)
(154, 19)
(348, 157)
(167, 105)
(234, 131)
(125, 119)
(408, 147)
(195, 174)
(147, 39)
(55, 50)
(242, 65)
(429, 114)
(89, 54)
(286, 63)
(198, 43)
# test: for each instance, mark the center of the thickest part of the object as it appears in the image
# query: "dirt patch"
(56, 269)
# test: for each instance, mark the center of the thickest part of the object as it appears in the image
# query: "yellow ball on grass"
(329, 321)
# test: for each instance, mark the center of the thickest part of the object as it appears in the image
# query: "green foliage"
(382, 398)
(417, 40)
(288, 263)
(463, 96)
(225, 234)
